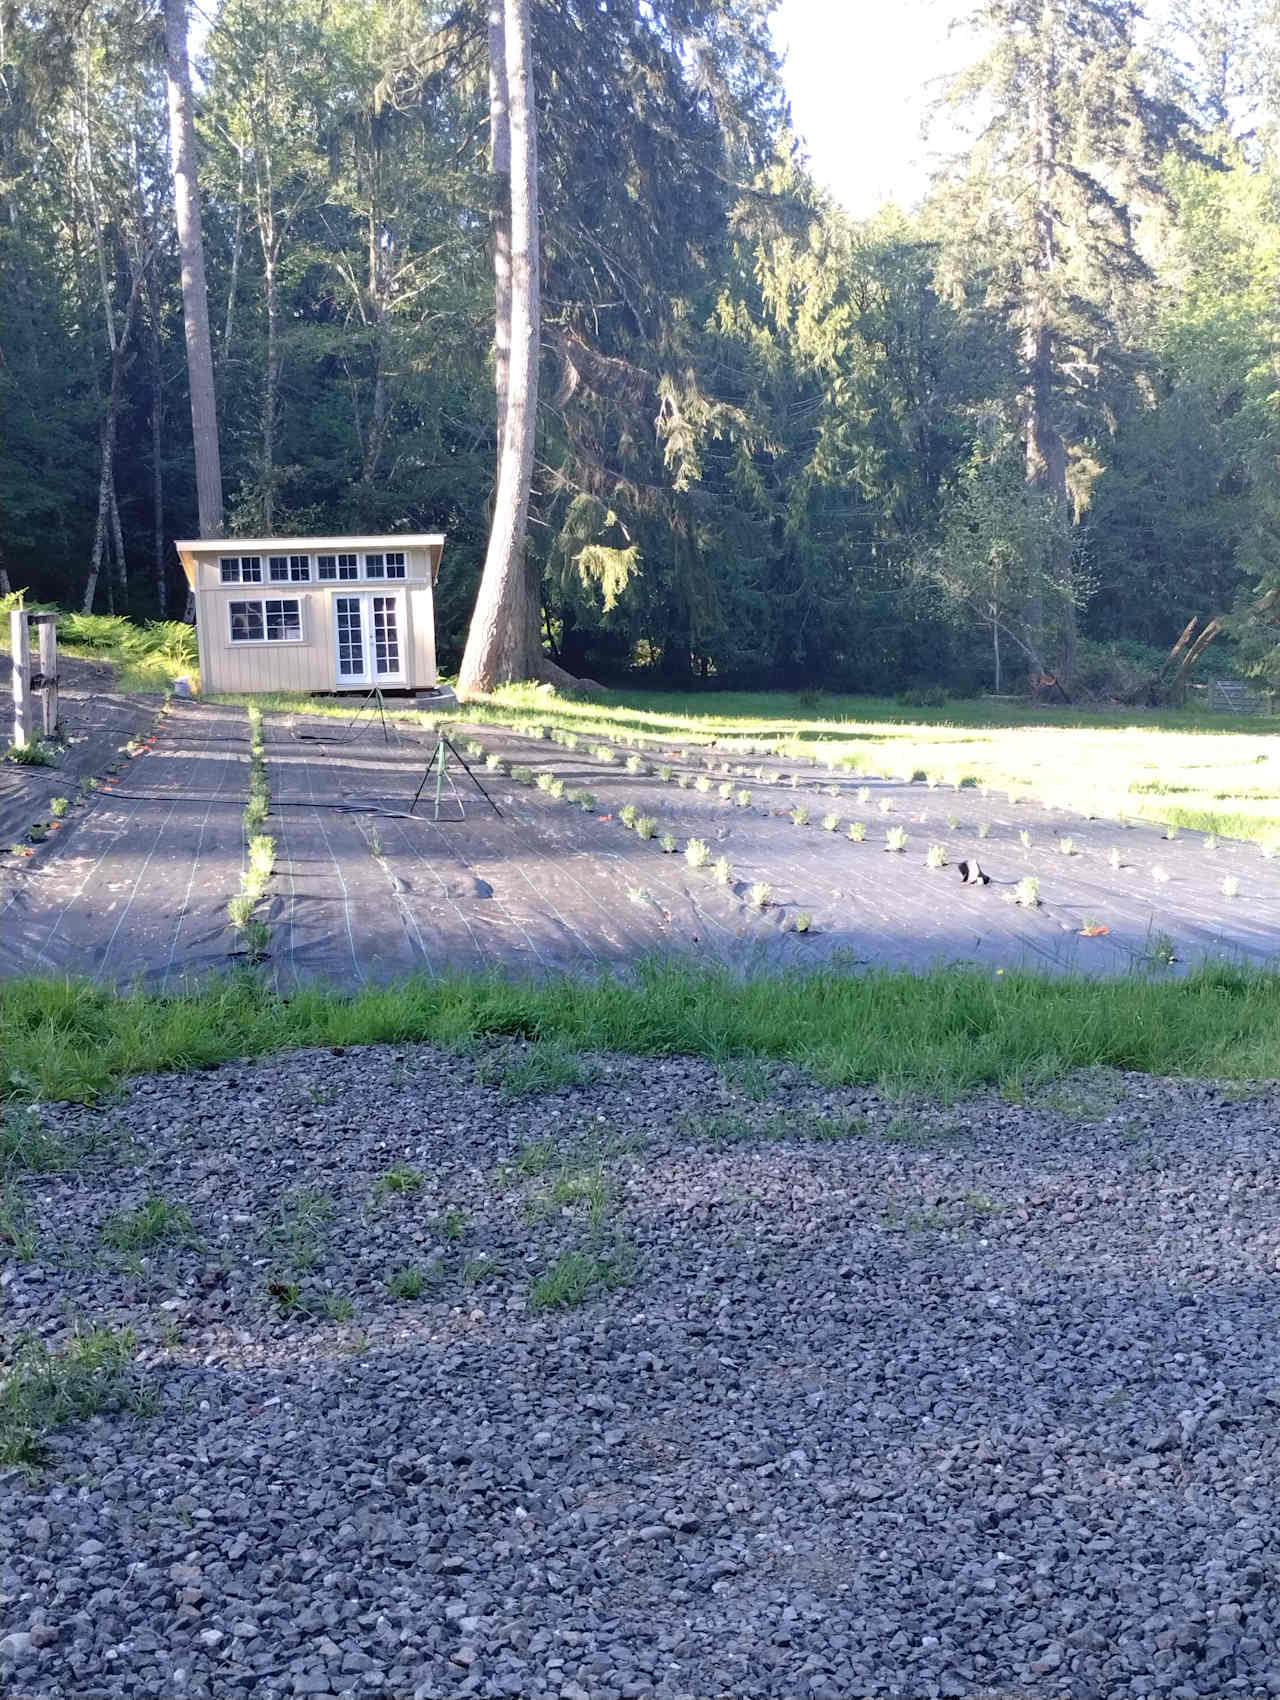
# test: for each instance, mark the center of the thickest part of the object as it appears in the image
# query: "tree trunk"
(195, 296)
(107, 445)
(500, 224)
(270, 389)
(503, 642)
(156, 374)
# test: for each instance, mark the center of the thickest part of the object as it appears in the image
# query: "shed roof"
(191, 546)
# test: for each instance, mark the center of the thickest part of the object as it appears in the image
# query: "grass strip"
(43, 1389)
(945, 1032)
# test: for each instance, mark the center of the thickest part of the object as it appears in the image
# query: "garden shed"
(315, 613)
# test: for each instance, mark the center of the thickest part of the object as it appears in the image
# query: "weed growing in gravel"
(736, 1128)
(301, 1226)
(25, 1143)
(895, 840)
(546, 1066)
(748, 1077)
(406, 1283)
(697, 853)
(481, 1268)
(452, 1225)
(286, 1296)
(721, 871)
(337, 1307)
(156, 1221)
(1026, 894)
(857, 831)
(936, 856)
(399, 1179)
(17, 1236)
(583, 1274)
(45, 1389)
(914, 1131)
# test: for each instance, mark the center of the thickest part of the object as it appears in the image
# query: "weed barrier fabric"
(138, 890)
(865, 904)
(366, 891)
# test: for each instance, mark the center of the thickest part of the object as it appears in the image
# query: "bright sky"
(861, 75)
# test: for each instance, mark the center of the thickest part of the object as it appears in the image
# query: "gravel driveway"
(868, 1398)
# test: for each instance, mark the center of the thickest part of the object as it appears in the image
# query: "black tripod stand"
(438, 765)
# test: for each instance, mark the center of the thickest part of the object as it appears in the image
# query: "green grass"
(400, 1178)
(582, 1274)
(26, 1144)
(548, 1066)
(44, 1389)
(949, 1030)
(156, 1221)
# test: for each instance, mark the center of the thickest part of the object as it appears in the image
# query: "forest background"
(1029, 426)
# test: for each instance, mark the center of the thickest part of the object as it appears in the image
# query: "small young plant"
(603, 752)
(665, 773)
(953, 823)
(702, 783)
(802, 922)
(586, 800)
(742, 799)
(475, 750)
(634, 764)
(684, 781)
(935, 856)
(58, 806)
(1209, 842)
(240, 910)
(799, 816)
(725, 791)
(1024, 838)
(1171, 831)
(400, 1178)
(545, 780)
(760, 894)
(831, 823)
(1066, 847)
(406, 1283)
(857, 831)
(1230, 886)
(1115, 858)
(646, 826)
(668, 843)
(895, 840)
(155, 1222)
(864, 795)
(522, 775)
(886, 806)
(629, 814)
(697, 853)
(721, 871)
(556, 788)
(984, 829)
(255, 936)
(1026, 894)
(495, 763)
(262, 859)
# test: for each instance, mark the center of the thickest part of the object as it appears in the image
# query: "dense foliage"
(947, 447)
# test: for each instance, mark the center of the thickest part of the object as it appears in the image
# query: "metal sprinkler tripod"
(438, 762)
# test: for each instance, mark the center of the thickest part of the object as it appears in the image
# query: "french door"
(369, 632)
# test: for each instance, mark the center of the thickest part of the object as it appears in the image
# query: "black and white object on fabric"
(972, 874)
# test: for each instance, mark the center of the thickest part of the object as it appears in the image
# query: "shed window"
(386, 564)
(337, 566)
(240, 569)
(273, 620)
(286, 569)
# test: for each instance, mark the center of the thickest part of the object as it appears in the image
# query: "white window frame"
(297, 569)
(370, 675)
(346, 567)
(231, 569)
(265, 639)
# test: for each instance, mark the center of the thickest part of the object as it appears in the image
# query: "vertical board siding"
(312, 664)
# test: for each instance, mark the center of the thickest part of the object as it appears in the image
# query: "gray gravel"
(979, 1399)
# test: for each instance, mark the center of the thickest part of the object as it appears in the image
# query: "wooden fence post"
(20, 652)
(47, 625)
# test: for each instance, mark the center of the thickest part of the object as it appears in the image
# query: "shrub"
(697, 853)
